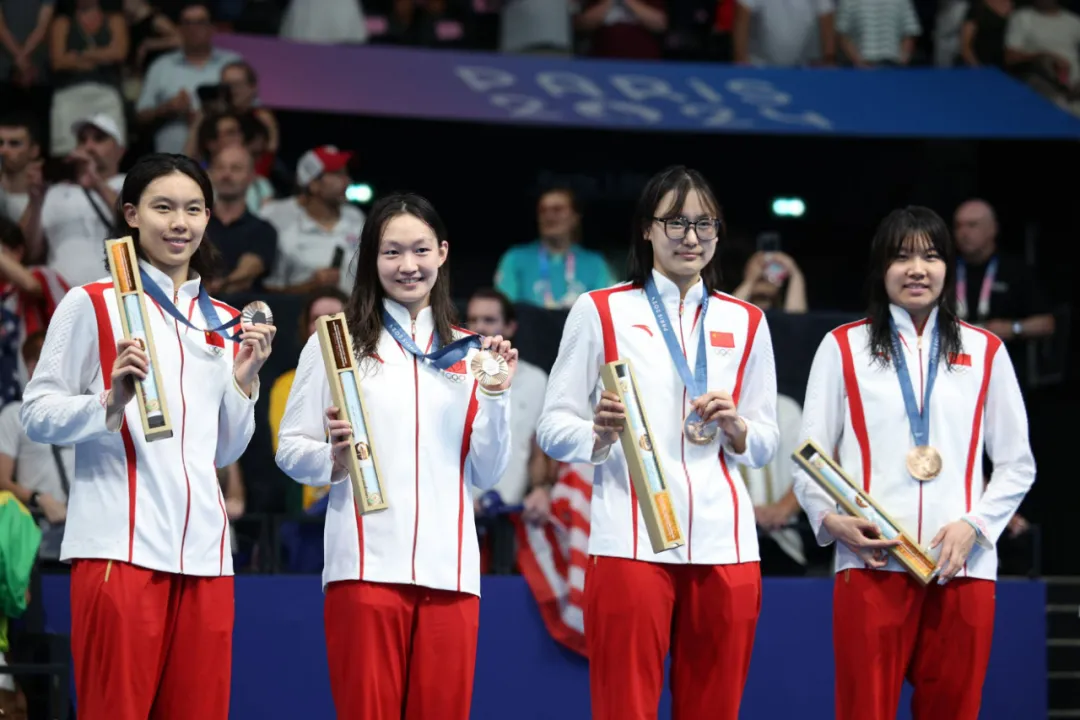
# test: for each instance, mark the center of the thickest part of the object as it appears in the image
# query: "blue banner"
(279, 665)
(659, 96)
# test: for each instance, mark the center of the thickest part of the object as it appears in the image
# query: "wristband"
(973, 525)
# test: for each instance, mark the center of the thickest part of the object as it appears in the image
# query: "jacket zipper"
(918, 343)
(416, 456)
(682, 450)
(183, 433)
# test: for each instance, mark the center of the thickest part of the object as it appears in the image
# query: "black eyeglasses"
(676, 228)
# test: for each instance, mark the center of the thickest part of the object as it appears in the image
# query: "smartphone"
(768, 242)
(213, 98)
(59, 170)
(339, 258)
(774, 272)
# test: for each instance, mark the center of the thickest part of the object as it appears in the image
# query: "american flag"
(553, 557)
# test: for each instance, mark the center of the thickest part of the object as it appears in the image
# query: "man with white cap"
(318, 232)
(77, 214)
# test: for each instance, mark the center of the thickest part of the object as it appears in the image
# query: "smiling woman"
(402, 584)
(907, 398)
(151, 580)
(166, 203)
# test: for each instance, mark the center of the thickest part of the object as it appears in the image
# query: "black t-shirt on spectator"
(1015, 294)
(248, 234)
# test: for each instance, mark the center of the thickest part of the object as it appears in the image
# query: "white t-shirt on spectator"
(527, 402)
(281, 212)
(166, 77)
(75, 232)
(13, 205)
(786, 33)
(878, 27)
(526, 24)
(35, 465)
(304, 247)
(1059, 33)
(326, 22)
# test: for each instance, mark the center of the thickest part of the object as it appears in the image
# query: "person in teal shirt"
(553, 271)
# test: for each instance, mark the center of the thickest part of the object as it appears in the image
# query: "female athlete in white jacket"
(698, 355)
(906, 398)
(147, 533)
(403, 584)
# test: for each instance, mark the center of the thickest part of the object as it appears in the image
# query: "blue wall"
(279, 661)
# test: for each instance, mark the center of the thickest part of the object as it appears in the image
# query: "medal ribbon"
(983, 310)
(918, 421)
(570, 267)
(206, 307)
(695, 384)
(442, 358)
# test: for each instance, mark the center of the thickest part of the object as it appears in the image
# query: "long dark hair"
(901, 227)
(364, 309)
(680, 180)
(206, 260)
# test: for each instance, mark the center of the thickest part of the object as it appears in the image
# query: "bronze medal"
(923, 463)
(699, 432)
(489, 369)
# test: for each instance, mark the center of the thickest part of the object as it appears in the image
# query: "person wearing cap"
(76, 214)
(318, 232)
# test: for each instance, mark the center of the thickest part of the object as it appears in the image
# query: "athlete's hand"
(255, 341)
(498, 346)
(131, 363)
(861, 536)
(608, 420)
(956, 540)
(341, 444)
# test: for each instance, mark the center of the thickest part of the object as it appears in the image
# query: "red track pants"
(636, 611)
(149, 644)
(887, 627)
(400, 652)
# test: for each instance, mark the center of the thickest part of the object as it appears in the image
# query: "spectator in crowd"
(327, 22)
(536, 26)
(433, 23)
(1042, 44)
(248, 244)
(210, 132)
(231, 479)
(530, 472)
(773, 281)
(772, 493)
(995, 290)
(324, 301)
(948, 28)
(242, 85)
(76, 214)
(783, 33)
(877, 32)
(20, 167)
(553, 271)
(28, 298)
(24, 57)
(151, 33)
(318, 232)
(627, 29)
(982, 37)
(87, 49)
(170, 90)
(38, 475)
